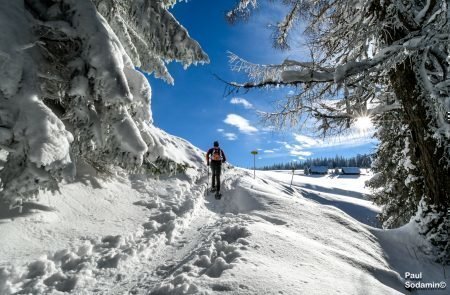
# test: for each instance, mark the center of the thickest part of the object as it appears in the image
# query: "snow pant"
(216, 166)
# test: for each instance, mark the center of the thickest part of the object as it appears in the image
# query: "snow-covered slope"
(145, 235)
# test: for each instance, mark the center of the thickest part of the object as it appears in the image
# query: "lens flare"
(363, 123)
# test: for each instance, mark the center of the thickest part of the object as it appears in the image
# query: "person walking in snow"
(215, 156)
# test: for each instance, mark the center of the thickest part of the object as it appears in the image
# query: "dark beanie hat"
(216, 143)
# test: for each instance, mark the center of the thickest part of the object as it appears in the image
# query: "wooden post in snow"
(293, 170)
(254, 153)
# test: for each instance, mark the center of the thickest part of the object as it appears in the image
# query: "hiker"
(217, 157)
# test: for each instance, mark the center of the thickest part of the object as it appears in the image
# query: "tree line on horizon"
(360, 160)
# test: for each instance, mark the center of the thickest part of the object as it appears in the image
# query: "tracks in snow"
(187, 238)
(210, 244)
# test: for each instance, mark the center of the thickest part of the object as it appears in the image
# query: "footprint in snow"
(221, 253)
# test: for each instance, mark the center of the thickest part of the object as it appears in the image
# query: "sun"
(363, 123)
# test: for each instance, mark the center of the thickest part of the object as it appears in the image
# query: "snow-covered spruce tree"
(396, 185)
(69, 89)
(363, 52)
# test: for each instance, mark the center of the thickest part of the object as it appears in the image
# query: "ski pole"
(207, 186)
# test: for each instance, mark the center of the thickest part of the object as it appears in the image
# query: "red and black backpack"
(216, 154)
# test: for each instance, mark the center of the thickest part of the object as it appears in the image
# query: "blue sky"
(195, 108)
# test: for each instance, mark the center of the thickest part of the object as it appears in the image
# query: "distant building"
(351, 170)
(318, 170)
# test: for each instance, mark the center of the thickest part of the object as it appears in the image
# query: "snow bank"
(95, 226)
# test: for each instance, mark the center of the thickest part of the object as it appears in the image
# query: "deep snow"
(136, 234)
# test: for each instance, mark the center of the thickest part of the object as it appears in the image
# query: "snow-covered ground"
(135, 234)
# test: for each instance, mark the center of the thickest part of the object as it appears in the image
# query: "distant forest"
(361, 161)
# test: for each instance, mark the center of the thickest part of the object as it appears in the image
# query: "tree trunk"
(425, 148)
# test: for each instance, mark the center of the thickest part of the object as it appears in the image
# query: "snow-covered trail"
(164, 260)
(262, 237)
(257, 241)
(284, 244)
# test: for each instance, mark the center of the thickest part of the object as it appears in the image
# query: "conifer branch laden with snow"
(70, 90)
(377, 58)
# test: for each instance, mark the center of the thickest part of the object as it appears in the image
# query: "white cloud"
(303, 142)
(306, 141)
(350, 139)
(230, 136)
(227, 135)
(245, 103)
(304, 145)
(300, 153)
(268, 151)
(241, 123)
